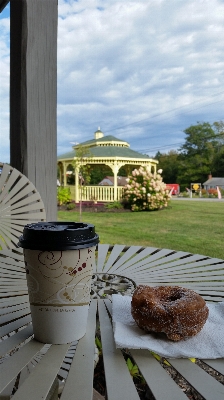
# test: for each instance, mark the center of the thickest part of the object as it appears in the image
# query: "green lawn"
(196, 227)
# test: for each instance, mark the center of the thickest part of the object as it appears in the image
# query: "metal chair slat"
(217, 364)
(117, 266)
(160, 383)
(13, 315)
(114, 364)
(11, 308)
(82, 366)
(101, 257)
(17, 301)
(208, 387)
(13, 326)
(113, 257)
(39, 383)
(16, 362)
(7, 345)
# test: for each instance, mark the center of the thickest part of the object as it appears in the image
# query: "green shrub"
(115, 204)
(184, 194)
(63, 195)
(71, 206)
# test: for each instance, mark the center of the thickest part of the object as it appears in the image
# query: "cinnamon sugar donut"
(174, 310)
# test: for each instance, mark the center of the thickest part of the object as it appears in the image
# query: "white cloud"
(130, 63)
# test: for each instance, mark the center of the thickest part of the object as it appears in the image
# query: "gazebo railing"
(97, 193)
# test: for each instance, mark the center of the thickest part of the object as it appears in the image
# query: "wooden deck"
(35, 371)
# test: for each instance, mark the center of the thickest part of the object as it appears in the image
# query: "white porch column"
(33, 95)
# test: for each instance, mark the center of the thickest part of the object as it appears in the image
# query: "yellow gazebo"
(105, 150)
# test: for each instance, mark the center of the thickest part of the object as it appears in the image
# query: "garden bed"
(91, 207)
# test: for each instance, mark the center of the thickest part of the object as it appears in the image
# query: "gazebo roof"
(104, 140)
(105, 146)
(67, 156)
(110, 151)
(115, 151)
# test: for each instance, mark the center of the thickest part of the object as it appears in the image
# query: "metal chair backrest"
(20, 204)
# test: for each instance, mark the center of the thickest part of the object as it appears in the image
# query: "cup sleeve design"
(59, 277)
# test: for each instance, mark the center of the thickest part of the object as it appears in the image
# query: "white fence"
(97, 193)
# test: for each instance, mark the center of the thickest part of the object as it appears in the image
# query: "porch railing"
(97, 193)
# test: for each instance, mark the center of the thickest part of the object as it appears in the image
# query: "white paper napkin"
(209, 343)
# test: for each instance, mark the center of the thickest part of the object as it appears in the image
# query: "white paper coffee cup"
(59, 281)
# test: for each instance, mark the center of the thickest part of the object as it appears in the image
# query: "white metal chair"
(20, 204)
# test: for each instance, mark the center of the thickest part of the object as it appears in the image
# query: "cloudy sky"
(142, 70)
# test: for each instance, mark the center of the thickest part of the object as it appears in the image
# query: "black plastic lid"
(55, 236)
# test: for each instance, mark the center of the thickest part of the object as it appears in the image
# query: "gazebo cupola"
(98, 134)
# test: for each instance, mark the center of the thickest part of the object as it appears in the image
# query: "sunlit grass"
(191, 226)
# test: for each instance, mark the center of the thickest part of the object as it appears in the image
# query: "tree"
(169, 164)
(197, 153)
(217, 168)
(82, 155)
(218, 128)
(98, 172)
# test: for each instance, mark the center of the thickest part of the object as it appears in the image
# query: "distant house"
(212, 183)
(109, 181)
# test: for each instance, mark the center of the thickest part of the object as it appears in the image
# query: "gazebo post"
(115, 181)
(77, 184)
(64, 174)
(115, 166)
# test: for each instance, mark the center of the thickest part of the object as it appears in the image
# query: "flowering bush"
(213, 192)
(146, 191)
